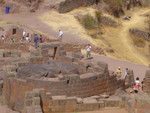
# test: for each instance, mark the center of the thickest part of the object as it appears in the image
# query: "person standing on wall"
(88, 51)
(60, 35)
(118, 73)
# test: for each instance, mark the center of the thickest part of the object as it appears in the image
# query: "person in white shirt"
(60, 34)
(24, 33)
(88, 51)
(28, 37)
(137, 81)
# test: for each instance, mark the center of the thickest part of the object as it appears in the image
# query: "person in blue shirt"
(36, 40)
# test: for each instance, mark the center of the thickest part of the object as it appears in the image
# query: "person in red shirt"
(136, 88)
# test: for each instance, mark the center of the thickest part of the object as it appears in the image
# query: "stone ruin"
(56, 78)
(146, 82)
(14, 31)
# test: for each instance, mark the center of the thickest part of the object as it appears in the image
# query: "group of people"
(4, 39)
(37, 40)
(136, 86)
(26, 37)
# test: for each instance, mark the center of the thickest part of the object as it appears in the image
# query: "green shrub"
(88, 22)
(98, 15)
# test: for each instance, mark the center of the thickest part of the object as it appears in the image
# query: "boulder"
(50, 70)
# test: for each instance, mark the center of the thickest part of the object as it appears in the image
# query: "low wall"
(81, 86)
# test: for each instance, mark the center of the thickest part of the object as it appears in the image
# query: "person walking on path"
(126, 73)
(88, 51)
(36, 40)
(60, 35)
(118, 73)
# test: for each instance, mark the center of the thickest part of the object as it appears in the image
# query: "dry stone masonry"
(56, 70)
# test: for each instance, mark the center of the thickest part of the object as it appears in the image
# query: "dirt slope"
(121, 42)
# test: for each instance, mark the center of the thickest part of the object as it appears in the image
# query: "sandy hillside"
(118, 38)
(121, 41)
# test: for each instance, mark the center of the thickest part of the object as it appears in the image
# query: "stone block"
(15, 54)
(62, 52)
(36, 92)
(79, 101)
(88, 76)
(28, 102)
(59, 109)
(29, 109)
(112, 103)
(67, 58)
(9, 68)
(101, 104)
(70, 104)
(58, 100)
(36, 101)
(28, 95)
(92, 104)
(103, 65)
(22, 63)
(6, 54)
(11, 74)
(38, 110)
(1, 54)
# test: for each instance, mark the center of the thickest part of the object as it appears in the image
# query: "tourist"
(23, 39)
(3, 38)
(88, 51)
(41, 39)
(36, 40)
(24, 33)
(126, 73)
(142, 85)
(118, 73)
(12, 40)
(137, 81)
(28, 37)
(136, 88)
(60, 34)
